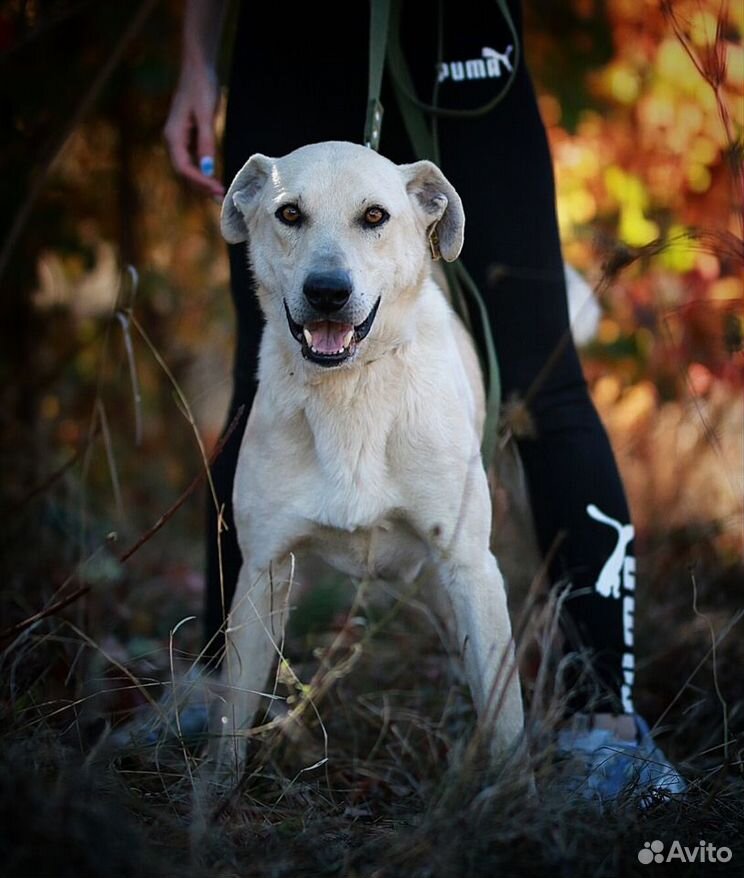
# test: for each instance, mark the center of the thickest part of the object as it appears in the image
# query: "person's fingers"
(176, 134)
(178, 137)
(206, 150)
(184, 166)
(205, 145)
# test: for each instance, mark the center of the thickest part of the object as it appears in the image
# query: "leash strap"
(378, 42)
(385, 43)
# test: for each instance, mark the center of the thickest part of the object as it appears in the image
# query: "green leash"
(385, 44)
(378, 38)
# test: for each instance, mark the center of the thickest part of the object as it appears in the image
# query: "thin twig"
(109, 447)
(54, 148)
(19, 627)
(732, 623)
(16, 629)
(174, 685)
(168, 514)
(124, 315)
(181, 398)
(51, 479)
(714, 657)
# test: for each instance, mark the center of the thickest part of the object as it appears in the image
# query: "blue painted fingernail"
(206, 165)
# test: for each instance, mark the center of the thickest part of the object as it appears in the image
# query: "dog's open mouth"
(328, 342)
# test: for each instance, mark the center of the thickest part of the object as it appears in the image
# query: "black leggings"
(305, 81)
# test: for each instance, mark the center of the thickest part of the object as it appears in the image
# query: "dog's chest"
(351, 479)
(347, 493)
(356, 505)
(388, 550)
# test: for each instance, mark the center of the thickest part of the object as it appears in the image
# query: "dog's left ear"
(241, 196)
(440, 206)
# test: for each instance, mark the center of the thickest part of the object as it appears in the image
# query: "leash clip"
(373, 125)
(436, 253)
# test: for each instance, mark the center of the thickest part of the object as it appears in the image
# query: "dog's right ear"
(440, 206)
(241, 197)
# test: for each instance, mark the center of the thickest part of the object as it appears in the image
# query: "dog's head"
(339, 241)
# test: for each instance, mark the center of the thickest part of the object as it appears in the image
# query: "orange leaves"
(654, 166)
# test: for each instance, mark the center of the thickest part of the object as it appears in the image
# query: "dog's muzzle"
(330, 342)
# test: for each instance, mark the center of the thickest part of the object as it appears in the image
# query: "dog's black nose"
(328, 291)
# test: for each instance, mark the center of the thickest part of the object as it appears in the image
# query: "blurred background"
(116, 336)
(644, 104)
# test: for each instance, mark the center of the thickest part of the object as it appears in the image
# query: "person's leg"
(500, 164)
(223, 558)
(286, 88)
(502, 168)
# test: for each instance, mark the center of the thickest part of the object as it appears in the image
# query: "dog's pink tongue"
(329, 337)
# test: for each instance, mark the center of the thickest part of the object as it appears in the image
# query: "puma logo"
(608, 583)
(486, 67)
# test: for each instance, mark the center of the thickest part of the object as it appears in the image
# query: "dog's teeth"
(347, 338)
(308, 337)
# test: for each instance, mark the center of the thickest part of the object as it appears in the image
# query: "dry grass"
(397, 787)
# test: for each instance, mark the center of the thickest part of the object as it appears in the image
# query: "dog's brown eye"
(289, 214)
(374, 216)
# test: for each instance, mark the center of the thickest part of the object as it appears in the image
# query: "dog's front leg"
(253, 636)
(475, 588)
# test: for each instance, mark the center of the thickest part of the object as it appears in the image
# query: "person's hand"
(189, 129)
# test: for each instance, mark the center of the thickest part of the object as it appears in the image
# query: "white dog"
(363, 443)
